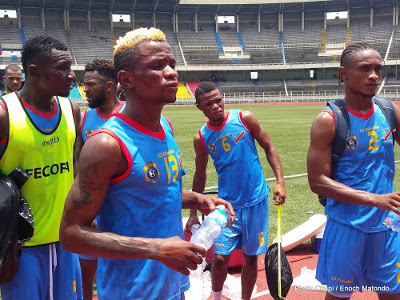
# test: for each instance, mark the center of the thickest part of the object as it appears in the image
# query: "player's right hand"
(191, 221)
(180, 255)
(389, 201)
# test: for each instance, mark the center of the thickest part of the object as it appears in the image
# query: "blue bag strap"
(342, 131)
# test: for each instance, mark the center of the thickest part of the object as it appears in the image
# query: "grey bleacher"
(336, 33)
(204, 36)
(32, 27)
(237, 87)
(204, 56)
(267, 37)
(265, 55)
(91, 44)
(9, 32)
(190, 40)
(304, 54)
(361, 29)
(293, 33)
(229, 37)
(53, 27)
(120, 31)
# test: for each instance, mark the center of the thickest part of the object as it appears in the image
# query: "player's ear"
(342, 73)
(125, 79)
(34, 70)
(110, 85)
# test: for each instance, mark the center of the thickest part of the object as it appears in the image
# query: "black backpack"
(16, 222)
(342, 129)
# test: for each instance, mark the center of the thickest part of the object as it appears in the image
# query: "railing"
(281, 97)
(292, 97)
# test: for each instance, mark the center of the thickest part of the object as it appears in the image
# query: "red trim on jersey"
(170, 125)
(116, 110)
(47, 115)
(158, 135)
(3, 106)
(202, 142)
(360, 115)
(329, 112)
(244, 123)
(4, 140)
(124, 150)
(222, 125)
(83, 121)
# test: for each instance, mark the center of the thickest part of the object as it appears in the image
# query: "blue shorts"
(353, 260)
(45, 272)
(249, 232)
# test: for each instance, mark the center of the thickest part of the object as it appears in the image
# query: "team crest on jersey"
(151, 172)
(352, 142)
(88, 133)
(212, 148)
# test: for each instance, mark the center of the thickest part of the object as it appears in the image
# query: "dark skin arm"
(319, 169)
(199, 179)
(261, 136)
(101, 160)
(3, 123)
(79, 141)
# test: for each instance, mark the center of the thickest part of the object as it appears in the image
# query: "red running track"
(299, 257)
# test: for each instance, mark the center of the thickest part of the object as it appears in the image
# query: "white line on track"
(273, 178)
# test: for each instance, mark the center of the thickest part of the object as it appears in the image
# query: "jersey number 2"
(374, 139)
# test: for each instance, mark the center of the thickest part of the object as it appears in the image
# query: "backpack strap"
(342, 131)
(388, 111)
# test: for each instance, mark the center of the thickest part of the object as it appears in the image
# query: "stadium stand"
(201, 53)
(75, 94)
(183, 92)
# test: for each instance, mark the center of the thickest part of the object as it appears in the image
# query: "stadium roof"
(194, 6)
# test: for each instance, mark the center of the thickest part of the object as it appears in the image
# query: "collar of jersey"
(158, 135)
(222, 125)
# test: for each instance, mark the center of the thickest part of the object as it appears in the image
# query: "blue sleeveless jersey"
(367, 164)
(241, 179)
(93, 119)
(146, 201)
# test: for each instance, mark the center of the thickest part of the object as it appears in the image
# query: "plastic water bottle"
(392, 221)
(204, 235)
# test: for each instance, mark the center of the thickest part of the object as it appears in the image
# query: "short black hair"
(204, 88)
(39, 46)
(12, 68)
(353, 48)
(104, 67)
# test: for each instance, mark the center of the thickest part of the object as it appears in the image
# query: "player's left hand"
(206, 204)
(279, 194)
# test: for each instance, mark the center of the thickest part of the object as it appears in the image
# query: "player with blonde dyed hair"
(130, 174)
(134, 37)
(126, 51)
